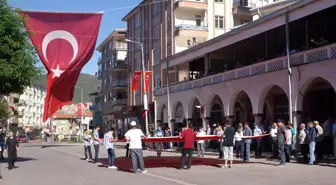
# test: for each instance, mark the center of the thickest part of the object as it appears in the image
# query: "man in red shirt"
(188, 136)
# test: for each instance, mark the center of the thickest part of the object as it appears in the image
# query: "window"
(157, 56)
(219, 1)
(156, 31)
(169, 52)
(137, 21)
(157, 6)
(110, 45)
(198, 20)
(219, 21)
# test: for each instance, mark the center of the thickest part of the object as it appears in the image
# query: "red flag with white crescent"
(147, 80)
(65, 42)
(136, 80)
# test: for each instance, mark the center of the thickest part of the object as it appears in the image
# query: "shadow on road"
(47, 146)
(19, 159)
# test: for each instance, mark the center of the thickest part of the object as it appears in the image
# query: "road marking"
(148, 174)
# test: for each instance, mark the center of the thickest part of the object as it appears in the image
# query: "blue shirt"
(293, 131)
(312, 135)
(95, 135)
(247, 132)
(159, 133)
(334, 128)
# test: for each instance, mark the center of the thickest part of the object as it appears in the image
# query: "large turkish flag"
(65, 42)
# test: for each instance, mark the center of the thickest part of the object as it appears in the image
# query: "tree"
(4, 109)
(18, 58)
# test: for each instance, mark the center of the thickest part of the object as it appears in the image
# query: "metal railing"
(301, 58)
(191, 27)
(119, 83)
(119, 46)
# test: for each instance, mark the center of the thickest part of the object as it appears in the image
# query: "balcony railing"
(305, 57)
(195, 4)
(119, 83)
(191, 27)
(119, 102)
(119, 46)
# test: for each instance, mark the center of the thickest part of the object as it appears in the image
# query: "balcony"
(119, 84)
(119, 65)
(119, 102)
(191, 30)
(302, 58)
(119, 46)
(191, 5)
(241, 8)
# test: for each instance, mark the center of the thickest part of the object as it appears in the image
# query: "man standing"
(229, 134)
(159, 145)
(87, 145)
(108, 144)
(257, 132)
(319, 140)
(247, 143)
(303, 140)
(11, 146)
(96, 143)
(188, 136)
(134, 136)
(281, 136)
(200, 143)
(274, 140)
(312, 142)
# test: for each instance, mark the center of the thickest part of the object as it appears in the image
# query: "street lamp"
(82, 116)
(145, 98)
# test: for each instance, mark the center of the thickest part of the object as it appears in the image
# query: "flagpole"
(168, 98)
(145, 97)
(289, 73)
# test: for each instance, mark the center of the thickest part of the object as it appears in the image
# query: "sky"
(114, 11)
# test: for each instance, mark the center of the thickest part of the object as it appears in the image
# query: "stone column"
(258, 118)
(206, 114)
(172, 123)
(206, 64)
(297, 119)
(206, 122)
(228, 119)
(188, 122)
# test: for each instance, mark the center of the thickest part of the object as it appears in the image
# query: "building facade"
(113, 75)
(166, 28)
(243, 76)
(32, 106)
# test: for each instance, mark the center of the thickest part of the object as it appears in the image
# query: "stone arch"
(264, 93)
(267, 102)
(178, 112)
(246, 106)
(305, 86)
(216, 109)
(317, 99)
(191, 106)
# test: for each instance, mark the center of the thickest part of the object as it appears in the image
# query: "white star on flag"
(57, 72)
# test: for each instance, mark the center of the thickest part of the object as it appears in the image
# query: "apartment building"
(113, 75)
(31, 109)
(166, 28)
(249, 76)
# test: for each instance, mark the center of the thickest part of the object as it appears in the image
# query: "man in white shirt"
(87, 145)
(274, 140)
(134, 136)
(200, 143)
(96, 143)
(108, 144)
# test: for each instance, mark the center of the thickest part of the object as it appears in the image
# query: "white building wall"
(33, 106)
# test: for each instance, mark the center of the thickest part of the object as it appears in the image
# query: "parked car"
(22, 139)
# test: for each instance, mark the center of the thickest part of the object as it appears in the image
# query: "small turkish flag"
(65, 42)
(147, 80)
(136, 80)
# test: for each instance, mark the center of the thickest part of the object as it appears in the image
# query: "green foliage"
(4, 113)
(18, 57)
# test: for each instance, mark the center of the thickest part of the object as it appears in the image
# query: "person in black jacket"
(228, 144)
(11, 147)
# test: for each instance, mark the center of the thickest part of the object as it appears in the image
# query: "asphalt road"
(61, 165)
